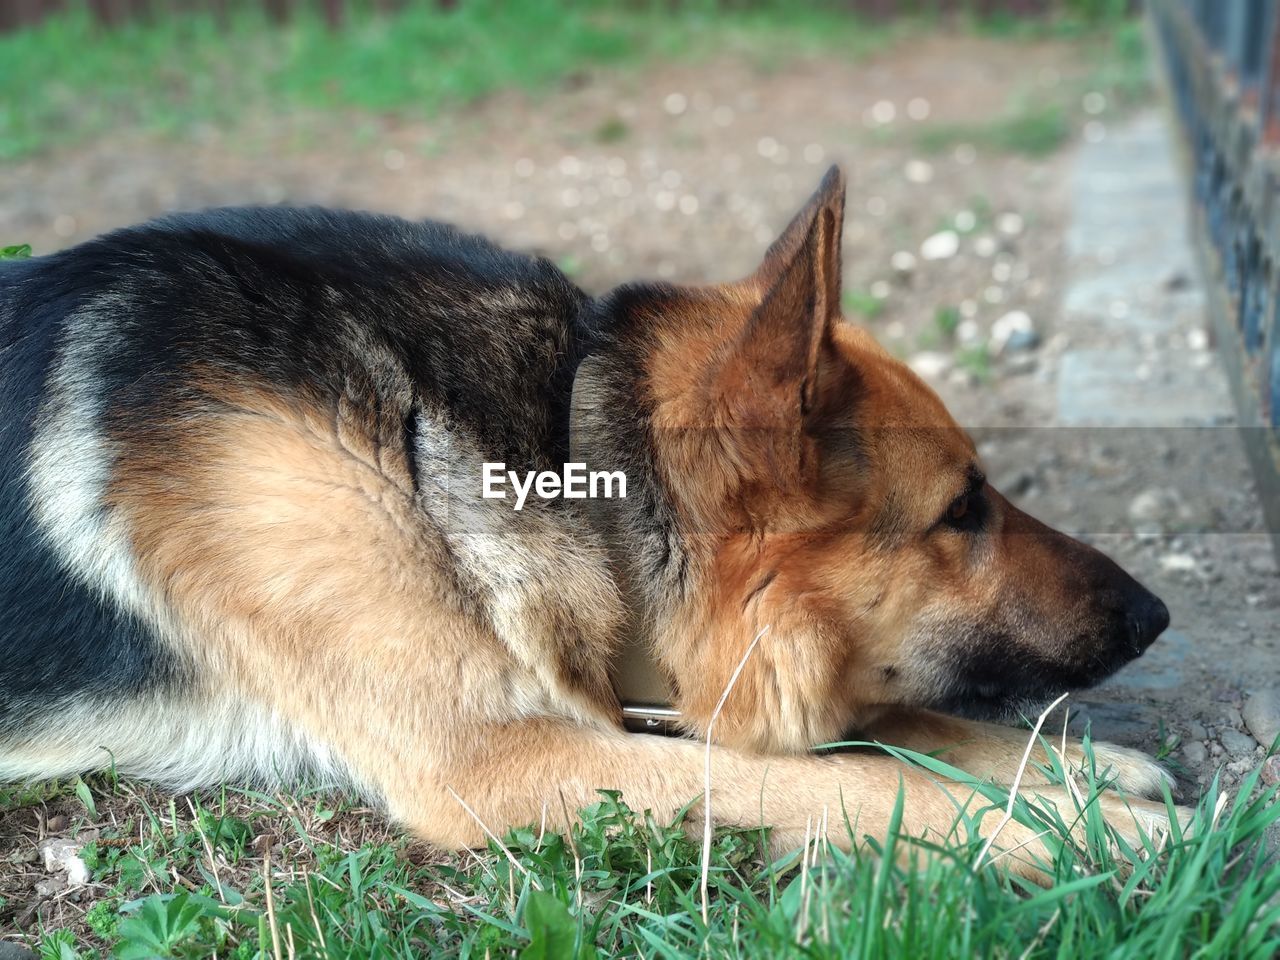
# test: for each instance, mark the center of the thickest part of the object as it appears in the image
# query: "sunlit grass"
(190, 877)
(1039, 121)
(67, 78)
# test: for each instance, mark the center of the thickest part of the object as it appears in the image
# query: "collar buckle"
(650, 718)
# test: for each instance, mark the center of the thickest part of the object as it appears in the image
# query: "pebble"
(1161, 510)
(930, 364)
(1178, 562)
(943, 245)
(1240, 767)
(903, 262)
(1271, 771)
(1014, 332)
(1261, 715)
(1195, 730)
(1195, 752)
(1009, 224)
(13, 951)
(64, 855)
(918, 171)
(985, 246)
(1237, 742)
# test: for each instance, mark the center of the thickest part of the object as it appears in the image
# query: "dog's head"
(825, 493)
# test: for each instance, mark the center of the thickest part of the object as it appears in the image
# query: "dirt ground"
(686, 172)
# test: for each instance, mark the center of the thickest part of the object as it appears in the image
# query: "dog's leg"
(539, 770)
(995, 752)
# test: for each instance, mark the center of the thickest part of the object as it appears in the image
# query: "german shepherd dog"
(243, 540)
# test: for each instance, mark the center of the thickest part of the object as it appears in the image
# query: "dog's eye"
(966, 512)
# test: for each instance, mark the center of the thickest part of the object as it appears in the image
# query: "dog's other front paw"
(1132, 771)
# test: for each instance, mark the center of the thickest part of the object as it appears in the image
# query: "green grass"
(66, 79)
(1040, 121)
(1032, 127)
(863, 303)
(179, 879)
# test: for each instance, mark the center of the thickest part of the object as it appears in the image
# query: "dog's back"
(104, 346)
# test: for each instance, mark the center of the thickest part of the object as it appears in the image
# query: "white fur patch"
(180, 743)
(181, 738)
(69, 471)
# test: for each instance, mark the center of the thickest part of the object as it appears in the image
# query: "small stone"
(1240, 767)
(1161, 510)
(64, 855)
(1237, 742)
(12, 951)
(1195, 752)
(903, 262)
(1021, 341)
(930, 364)
(1271, 771)
(918, 171)
(1178, 562)
(1010, 224)
(675, 103)
(1014, 332)
(1261, 715)
(883, 112)
(1195, 730)
(941, 246)
(57, 823)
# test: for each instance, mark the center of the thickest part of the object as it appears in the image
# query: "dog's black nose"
(1148, 617)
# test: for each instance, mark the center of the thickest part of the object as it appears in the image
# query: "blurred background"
(1054, 217)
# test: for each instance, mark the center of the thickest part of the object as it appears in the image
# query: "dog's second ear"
(771, 371)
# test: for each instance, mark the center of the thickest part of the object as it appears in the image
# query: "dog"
(246, 538)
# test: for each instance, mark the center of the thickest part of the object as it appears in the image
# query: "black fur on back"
(301, 300)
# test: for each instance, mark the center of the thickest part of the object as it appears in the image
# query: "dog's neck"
(640, 536)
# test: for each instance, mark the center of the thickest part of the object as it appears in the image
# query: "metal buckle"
(650, 718)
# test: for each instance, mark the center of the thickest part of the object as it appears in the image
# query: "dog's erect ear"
(775, 360)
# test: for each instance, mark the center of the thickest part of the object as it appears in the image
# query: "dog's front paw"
(1131, 771)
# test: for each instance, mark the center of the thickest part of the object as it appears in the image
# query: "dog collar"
(638, 681)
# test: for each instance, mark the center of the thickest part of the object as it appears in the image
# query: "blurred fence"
(1223, 64)
(18, 13)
